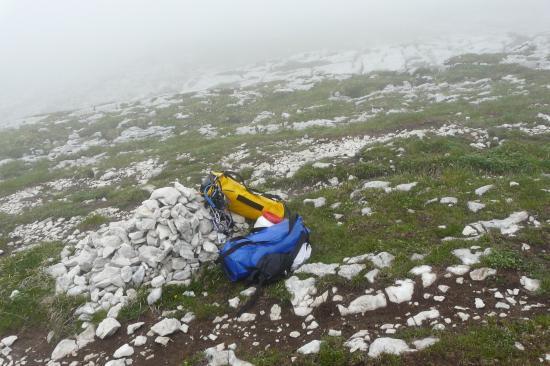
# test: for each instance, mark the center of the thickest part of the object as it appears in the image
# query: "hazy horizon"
(62, 54)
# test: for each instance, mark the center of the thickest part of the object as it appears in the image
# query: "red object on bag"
(272, 217)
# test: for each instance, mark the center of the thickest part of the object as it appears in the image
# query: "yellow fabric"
(236, 193)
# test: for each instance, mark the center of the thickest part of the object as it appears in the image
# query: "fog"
(61, 54)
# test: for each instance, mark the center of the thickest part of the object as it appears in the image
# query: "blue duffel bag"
(266, 254)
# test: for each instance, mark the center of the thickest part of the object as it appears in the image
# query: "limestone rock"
(401, 292)
(348, 271)
(166, 326)
(275, 312)
(482, 273)
(421, 344)
(529, 284)
(387, 345)
(63, 349)
(107, 327)
(312, 347)
(482, 190)
(363, 304)
(318, 269)
(124, 351)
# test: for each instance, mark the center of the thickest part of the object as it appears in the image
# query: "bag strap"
(255, 296)
(235, 176)
(262, 280)
(245, 241)
(238, 246)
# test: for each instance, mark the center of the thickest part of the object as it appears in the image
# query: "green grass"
(210, 279)
(135, 308)
(503, 259)
(92, 222)
(492, 344)
(196, 359)
(36, 305)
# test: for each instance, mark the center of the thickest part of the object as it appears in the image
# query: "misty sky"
(57, 54)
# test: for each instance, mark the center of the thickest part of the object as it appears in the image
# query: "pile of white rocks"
(165, 242)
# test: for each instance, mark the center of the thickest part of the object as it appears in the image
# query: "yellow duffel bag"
(246, 201)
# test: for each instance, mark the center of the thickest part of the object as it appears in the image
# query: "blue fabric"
(268, 240)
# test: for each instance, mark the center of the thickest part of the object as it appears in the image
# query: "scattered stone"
(317, 202)
(246, 317)
(217, 356)
(107, 327)
(64, 348)
(387, 345)
(166, 326)
(248, 292)
(8, 341)
(348, 271)
(301, 294)
(234, 302)
(428, 279)
(479, 303)
(366, 211)
(358, 341)
(275, 312)
(188, 317)
(475, 206)
(451, 201)
(482, 190)
(372, 274)
(422, 316)
(469, 257)
(131, 328)
(421, 344)
(162, 340)
(140, 341)
(124, 351)
(418, 270)
(318, 269)
(294, 334)
(529, 284)
(506, 226)
(382, 259)
(334, 333)
(312, 347)
(376, 184)
(405, 187)
(401, 292)
(458, 270)
(86, 337)
(482, 273)
(443, 288)
(363, 304)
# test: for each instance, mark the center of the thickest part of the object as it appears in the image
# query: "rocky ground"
(424, 180)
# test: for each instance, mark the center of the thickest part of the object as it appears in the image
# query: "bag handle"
(246, 241)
